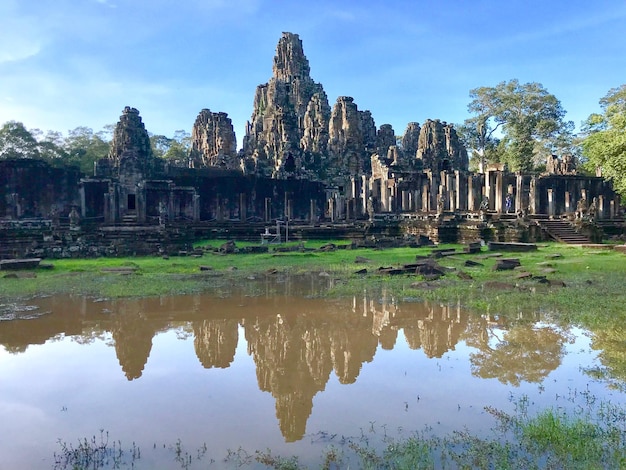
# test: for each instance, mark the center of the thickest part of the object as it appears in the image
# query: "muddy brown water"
(281, 369)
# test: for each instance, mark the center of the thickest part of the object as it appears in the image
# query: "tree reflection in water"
(297, 342)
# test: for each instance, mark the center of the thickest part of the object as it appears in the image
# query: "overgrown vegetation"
(594, 439)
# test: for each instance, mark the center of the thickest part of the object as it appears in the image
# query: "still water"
(276, 369)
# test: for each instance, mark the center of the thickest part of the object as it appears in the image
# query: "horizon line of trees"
(519, 125)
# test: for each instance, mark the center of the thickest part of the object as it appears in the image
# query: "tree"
(178, 150)
(17, 142)
(529, 119)
(84, 148)
(481, 143)
(605, 141)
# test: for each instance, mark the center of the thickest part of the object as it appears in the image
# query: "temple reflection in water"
(295, 342)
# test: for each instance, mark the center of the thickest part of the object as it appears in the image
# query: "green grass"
(549, 439)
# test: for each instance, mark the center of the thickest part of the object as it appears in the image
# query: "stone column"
(550, 203)
(461, 191)
(434, 191)
(612, 209)
(519, 193)
(425, 196)
(312, 211)
(243, 212)
(83, 208)
(499, 192)
(533, 200)
(365, 193)
(268, 209)
(568, 204)
(601, 207)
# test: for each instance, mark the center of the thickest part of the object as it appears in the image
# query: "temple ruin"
(328, 172)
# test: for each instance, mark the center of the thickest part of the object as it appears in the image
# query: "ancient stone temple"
(325, 172)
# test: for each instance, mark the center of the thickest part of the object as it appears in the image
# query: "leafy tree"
(84, 147)
(160, 144)
(17, 142)
(480, 142)
(179, 147)
(605, 141)
(529, 119)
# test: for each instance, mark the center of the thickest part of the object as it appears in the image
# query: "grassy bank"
(574, 282)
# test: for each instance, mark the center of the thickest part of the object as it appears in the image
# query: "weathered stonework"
(290, 116)
(410, 140)
(213, 141)
(352, 139)
(131, 143)
(439, 147)
(385, 138)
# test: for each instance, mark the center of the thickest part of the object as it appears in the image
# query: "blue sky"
(69, 63)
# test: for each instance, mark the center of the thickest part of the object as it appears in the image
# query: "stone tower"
(288, 129)
(439, 147)
(213, 141)
(130, 157)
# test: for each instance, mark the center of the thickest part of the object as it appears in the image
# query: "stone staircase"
(562, 231)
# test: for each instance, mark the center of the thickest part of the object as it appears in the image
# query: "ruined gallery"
(324, 171)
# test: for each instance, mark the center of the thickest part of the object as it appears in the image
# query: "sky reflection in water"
(269, 370)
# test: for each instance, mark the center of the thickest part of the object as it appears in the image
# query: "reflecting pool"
(271, 370)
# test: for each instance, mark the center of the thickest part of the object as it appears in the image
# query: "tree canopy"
(518, 124)
(605, 143)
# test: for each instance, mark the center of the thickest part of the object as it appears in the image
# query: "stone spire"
(131, 156)
(213, 141)
(352, 135)
(130, 138)
(410, 140)
(289, 61)
(439, 147)
(290, 116)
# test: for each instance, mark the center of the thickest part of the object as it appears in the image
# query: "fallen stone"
(506, 264)
(14, 264)
(119, 269)
(498, 285)
(46, 266)
(271, 271)
(439, 253)
(228, 247)
(362, 260)
(231, 268)
(548, 271)
(473, 247)
(328, 247)
(554, 256)
(10, 276)
(472, 263)
(523, 275)
(423, 285)
(431, 277)
(556, 283)
(510, 246)
(206, 268)
(361, 271)
(464, 276)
